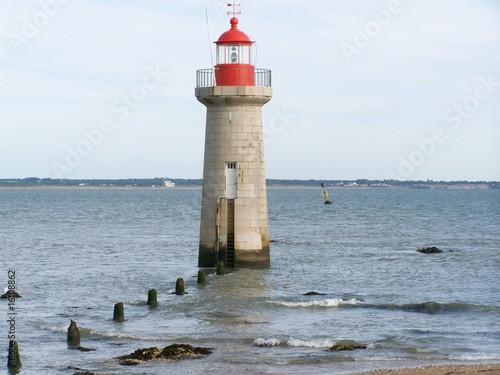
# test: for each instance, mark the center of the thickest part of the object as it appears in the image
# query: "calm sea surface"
(76, 253)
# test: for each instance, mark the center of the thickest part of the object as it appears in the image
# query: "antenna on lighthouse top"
(209, 37)
(234, 12)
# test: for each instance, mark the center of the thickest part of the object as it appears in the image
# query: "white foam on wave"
(310, 343)
(54, 328)
(125, 335)
(478, 357)
(329, 302)
(266, 342)
(111, 334)
(380, 359)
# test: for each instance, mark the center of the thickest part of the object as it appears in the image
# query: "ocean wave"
(91, 333)
(296, 343)
(381, 359)
(54, 328)
(477, 357)
(329, 302)
(416, 350)
(431, 307)
(310, 343)
(121, 335)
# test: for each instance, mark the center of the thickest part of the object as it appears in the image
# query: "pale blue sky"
(405, 89)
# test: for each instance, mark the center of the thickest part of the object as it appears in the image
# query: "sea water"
(77, 252)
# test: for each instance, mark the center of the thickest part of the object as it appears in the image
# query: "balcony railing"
(206, 78)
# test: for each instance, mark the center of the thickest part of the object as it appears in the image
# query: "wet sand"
(483, 369)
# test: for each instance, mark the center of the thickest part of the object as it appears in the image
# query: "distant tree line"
(140, 182)
(179, 182)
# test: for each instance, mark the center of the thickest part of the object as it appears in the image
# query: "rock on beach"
(169, 353)
(430, 250)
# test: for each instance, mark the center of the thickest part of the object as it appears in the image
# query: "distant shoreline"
(179, 183)
(270, 187)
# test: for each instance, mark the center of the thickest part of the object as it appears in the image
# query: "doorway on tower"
(231, 193)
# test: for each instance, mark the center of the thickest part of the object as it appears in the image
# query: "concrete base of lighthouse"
(208, 257)
(234, 229)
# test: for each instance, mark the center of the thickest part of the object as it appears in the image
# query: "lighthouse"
(234, 225)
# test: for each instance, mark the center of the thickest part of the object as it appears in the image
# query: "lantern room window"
(234, 54)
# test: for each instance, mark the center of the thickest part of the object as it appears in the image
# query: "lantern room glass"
(234, 54)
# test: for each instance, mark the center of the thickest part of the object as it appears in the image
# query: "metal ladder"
(230, 234)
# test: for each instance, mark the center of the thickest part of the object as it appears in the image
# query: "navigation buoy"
(324, 194)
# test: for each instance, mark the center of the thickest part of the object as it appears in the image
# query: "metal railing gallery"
(206, 77)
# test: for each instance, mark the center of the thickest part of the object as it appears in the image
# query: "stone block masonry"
(234, 135)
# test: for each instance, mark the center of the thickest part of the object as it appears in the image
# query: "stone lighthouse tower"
(234, 222)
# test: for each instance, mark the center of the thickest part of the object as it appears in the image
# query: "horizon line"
(281, 179)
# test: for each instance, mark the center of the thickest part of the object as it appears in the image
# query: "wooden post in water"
(118, 314)
(220, 268)
(73, 337)
(179, 286)
(201, 277)
(13, 359)
(152, 297)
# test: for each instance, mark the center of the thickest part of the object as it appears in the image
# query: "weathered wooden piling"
(13, 359)
(201, 277)
(73, 336)
(179, 286)
(152, 297)
(118, 313)
(220, 268)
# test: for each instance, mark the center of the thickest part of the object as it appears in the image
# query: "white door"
(231, 180)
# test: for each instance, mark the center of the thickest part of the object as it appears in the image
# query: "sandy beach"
(484, 369)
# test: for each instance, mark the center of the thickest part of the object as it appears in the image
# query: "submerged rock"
(429, 250)
(10, 294)
(83, 349)
(346, 345)
(169, 353)
(311, 293)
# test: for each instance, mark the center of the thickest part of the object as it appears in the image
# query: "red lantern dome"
(234, 58)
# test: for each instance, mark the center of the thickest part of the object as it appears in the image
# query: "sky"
(399, 89)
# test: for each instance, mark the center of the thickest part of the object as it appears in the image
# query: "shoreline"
(270, 187)
(439, 369)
